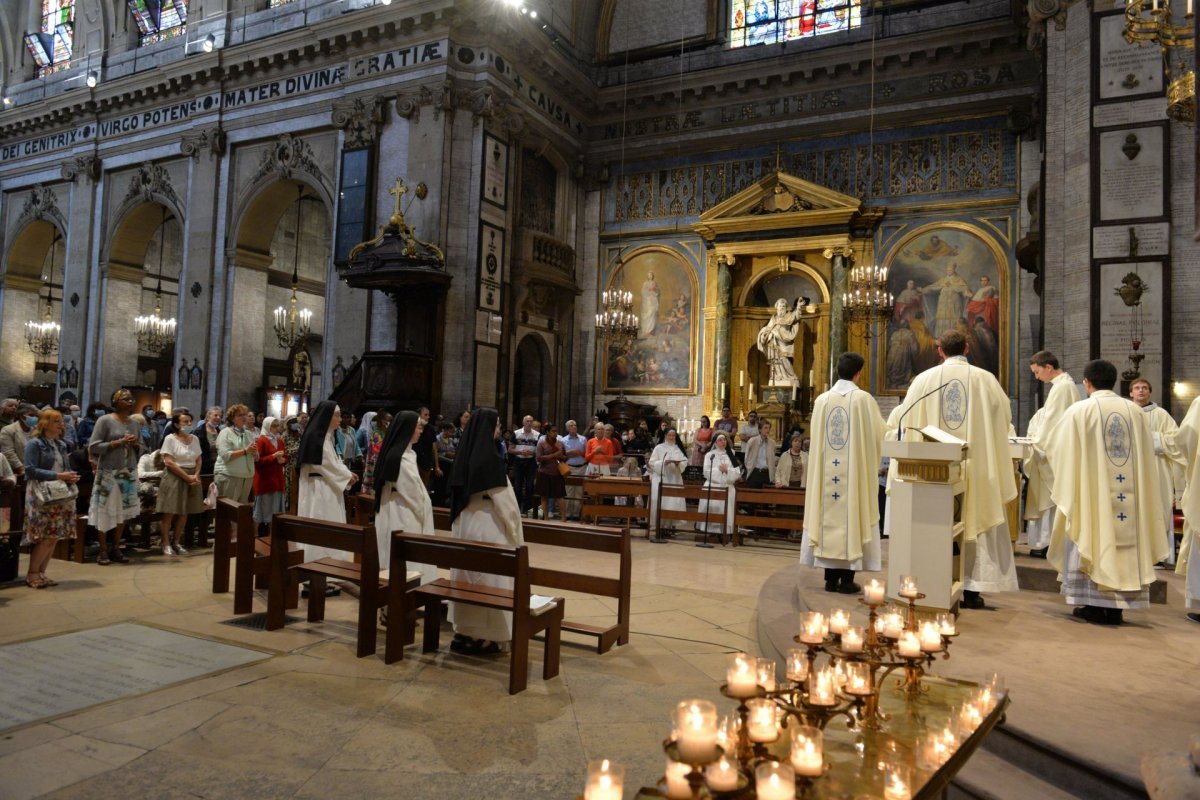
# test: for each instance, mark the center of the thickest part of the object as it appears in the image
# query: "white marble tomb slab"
(48, 677)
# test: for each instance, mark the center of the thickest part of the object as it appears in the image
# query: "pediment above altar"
(778, 201)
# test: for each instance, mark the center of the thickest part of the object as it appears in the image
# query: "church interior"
(674, 213)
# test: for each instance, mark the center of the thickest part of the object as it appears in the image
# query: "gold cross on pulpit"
(399, 190)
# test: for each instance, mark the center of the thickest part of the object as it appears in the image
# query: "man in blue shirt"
(575, 447)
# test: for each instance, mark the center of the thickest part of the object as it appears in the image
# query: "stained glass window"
(51, 45)
(159, 20)
(769, 21)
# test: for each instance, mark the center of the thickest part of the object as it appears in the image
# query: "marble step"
(989, 777)
(1038, 575)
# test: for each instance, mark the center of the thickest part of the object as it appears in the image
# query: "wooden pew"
(234, 521)
(287, 529)
(597, 490)
(581, 537)
(492, 559)
(252, 556)
(692, 492)
(789, 501)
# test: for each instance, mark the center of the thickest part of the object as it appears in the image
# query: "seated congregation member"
(483, 507)
(116, 446)
(841, 514)
(720, 474)
(401, 500)
(665, 466)
(47, 521)
(233, 471)
(270, 487)
(179, 493)
(323, 479)
(792, 465)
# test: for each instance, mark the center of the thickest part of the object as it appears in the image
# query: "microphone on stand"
(900, 424)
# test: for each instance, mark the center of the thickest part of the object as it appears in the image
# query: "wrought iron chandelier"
(1151, 22)
(617, 322)
(155, 333)
(42, 336)
(293, 325)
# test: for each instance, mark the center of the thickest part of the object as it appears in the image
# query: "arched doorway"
(284, 244)
(531, 385)
(33, 275)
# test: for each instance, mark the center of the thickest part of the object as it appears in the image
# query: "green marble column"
(724, 302)
(837, 322)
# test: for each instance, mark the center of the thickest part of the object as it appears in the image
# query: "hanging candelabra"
(293, 324)
(616, 322)
(42, 335)
(154, 332)
(1152, 22)
(867, 299)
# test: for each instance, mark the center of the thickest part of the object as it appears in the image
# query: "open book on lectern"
(932, 433)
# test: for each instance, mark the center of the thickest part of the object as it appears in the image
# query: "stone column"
(247, 328)
(121, 302)
(84, 173)
(839, 258)
(724, 305)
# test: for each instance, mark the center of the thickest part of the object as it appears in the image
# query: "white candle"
(931, 637)
(605, 781)
(797, 665)
(774, 781)
(969, 717)
(807, 754)
(946, 624)
(896, 780)
(761, 725)
(873, 592)
(813, 627)
(766, 674)
(741, 676)
(893, 625)
(909, 645)
(858, 679)
(742, 378)
(821, 693)
(677, 782)
(838, 621)
(722, 397)
(696, 731)
(794, 390)
(721, 776)
(810, 378)
(852, 640)
(908, 587)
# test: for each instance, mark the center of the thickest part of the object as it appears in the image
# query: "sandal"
(102, 559)
(46, 581)
(35, 584)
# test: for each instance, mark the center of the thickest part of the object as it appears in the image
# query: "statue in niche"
(301, 372)
(777, 341)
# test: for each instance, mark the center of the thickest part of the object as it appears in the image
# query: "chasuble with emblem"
(1039, 509)
(1109, 521)
(1170, 471)
(841, 514)
(1184, 445)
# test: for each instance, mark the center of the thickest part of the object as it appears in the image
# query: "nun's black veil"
(477, 464)
(391, 452)
(312, 443)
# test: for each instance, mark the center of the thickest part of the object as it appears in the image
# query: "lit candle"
(721, 776)
(741, 378)
(766, 673)
(852, 640)
(896, 782)
(773, 781)
(761, 725)
(810, 378)
(945, 623)
(751, 391)
(722, 397)
(839, 620)
(797, 665)
(813, 627)
(807, 754)
(677, 782)
(909, 645)
(873, 592)
(933, 753)
(605, 781)
(893, 624)
(696, 731)
(931, 637)
(908, 587)
(741, 676)
(821, 693)
(858, 679)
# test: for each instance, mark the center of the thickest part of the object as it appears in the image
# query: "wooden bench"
(692, 492)
(580, 537)
(252, 556)
(789, 501)
(287, 529)
(492, 559)
(234, 520)
(598, 490)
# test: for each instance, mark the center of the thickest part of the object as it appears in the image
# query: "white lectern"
(925, 507)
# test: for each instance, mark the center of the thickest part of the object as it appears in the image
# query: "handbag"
(54, 491)
(564, 469)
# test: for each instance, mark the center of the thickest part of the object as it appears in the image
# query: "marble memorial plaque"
(1119, 323)
(487, 365)
(1131, 174)
(495, 171)
(59, 674)
(1132, 113)
(1112, 241)
(1126, 70)
(491, 265)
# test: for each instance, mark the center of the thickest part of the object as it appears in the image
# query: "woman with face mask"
(179, 493)
(270, 497)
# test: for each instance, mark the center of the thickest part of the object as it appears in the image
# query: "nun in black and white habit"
(324, 477)
(483, 508)
(401, 499)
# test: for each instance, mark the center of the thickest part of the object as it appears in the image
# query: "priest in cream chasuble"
(968, 402)
(1063, 393)
(1170, 470)
(841, 514)
(1184, 445)
(1108, 528)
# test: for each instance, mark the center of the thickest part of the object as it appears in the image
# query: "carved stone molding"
(288, 156)
(210, 140)
(41, 203)
(360, 119)
(151, 180)
(87, 166)
(447, 99)
(1041, 10)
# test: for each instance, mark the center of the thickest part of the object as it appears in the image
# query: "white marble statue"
(777, 341)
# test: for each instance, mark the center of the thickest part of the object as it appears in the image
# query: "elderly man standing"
(575, 447)
(1108, 529)
(8, 411)
(1039, 511)
(1170, 471)
(14, 436)
(968, 402)
(524, 445)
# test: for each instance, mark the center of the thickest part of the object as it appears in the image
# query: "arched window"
(770, 21)
(52, 43)
(159, 20)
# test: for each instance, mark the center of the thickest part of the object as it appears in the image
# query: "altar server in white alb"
(324, 477)
(969, 403)
(483, 507)
(1184, 445)
(720, 499)
(1108, 529)
(1039, 511)
(841, 514)
(401, 499)
(1170, 470)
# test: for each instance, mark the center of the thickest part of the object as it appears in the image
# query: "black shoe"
(1194, 617)
(831, 586)
(972, 600)
(849, 587)
(1095, 615)
(1113, 616)
(1038, 553)
(118, 556)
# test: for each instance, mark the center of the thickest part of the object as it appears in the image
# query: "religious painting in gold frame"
(663, 356)
(944, 276)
